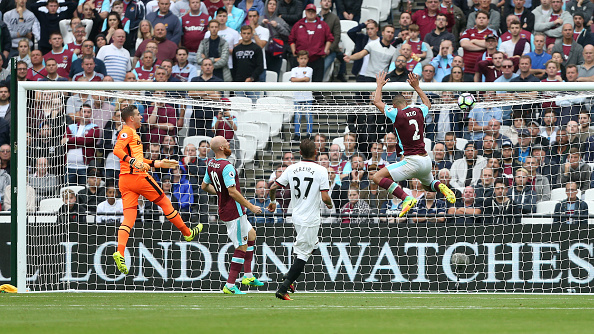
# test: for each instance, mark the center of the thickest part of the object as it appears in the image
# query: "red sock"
(435, 185)
(172, 214)
(126, 228)
(235, 266)
(249, 255)
(393, 187)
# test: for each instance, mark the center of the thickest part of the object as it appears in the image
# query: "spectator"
(509, 164)
(457, 61)
(86, 50)
(517, 45)
(376, 150)
(80, 142)
(350, 146)
(262, 201)
(361, 41)
(37, 71)
(146, 71)
(584, 37)
(355, 206)
(171, 22)
(248, 62)
(112, 205)
(489, 148)
(194, 26)
(59, 53)
(539, 56)
(303, 100)
(467, 171)
(521, 193)
(5, 157)
(451, 153)
(80, 35)
(182, 192)
(468, 209)
(585, 8)
(525, 66)
(567, 46)
(585, 131)
(537, 182)
(202, 115)
(439, 156)
(183, 7)
(349, 9)
(94, 193)
(169, 148)
(88, 72)
(315, 37)
(93, 19)
(400, 72)
(162, 118)
(71, 211)
(249, 5)
(292, 10)
(321, 144)
(484, 188)
(437, 36)
(391, 153)
(443, 61)
(412, 63)
(550, 128)
(43, 181)
(549, 18)
(489, 70)
(115, 57)
(444, 176)
(523, 14)
(183, 70)
(426, 18)
(494, 16)
(537, 139)
(420, 50)
(279, 33)
(260, 37)
(145, 33)
(544, 165)
(373, 194)
(575, 170)
(225, 124)
(51, 67)
(165, 48)
(479, 118)
(333, 23)
(474, 41)
(354, 173)
(586, 70)
(524, 144)
(336, 162)
(429, 209)
(5, 103)
(49, 19)
(110, 134)
(571, 206)
(216, 49)
(459, 10)
(21, 23)
(500, 209)
(560, 149)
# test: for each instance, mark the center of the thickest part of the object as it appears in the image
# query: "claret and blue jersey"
(409, 127)
(222, 169)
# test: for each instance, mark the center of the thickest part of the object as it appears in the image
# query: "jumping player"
(222, 180)
(135, 181)
(309, 187)
(409, 126)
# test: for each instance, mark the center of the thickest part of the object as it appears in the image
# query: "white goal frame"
(25, 87)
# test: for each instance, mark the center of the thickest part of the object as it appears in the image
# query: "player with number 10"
(221, 179)
(409, 126)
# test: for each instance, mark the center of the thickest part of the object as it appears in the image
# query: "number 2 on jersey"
(416, 135)
(297, 181)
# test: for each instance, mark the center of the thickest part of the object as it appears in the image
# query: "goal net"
(520, 163)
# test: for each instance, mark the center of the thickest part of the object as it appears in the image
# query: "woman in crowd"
(279, 34)
(145, 31)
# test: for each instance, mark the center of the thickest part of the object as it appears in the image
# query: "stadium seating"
(271, 76)
(258, 130)
(271, 105)
(460, 143)
(589, 195)
(76, 189)
(370, 14)
(241, 103)
(339, 141)
(248, 145)
(383, 7)
(546, 207)
(195, 140)
(50, 205)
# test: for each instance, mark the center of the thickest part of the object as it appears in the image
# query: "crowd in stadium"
(528, 149)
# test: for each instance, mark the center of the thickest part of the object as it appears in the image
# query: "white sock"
(250, 275)
(229, 285)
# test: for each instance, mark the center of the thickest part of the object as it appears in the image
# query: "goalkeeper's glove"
(166, 163)
(139, 165)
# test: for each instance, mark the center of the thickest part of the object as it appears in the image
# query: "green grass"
(309, 313)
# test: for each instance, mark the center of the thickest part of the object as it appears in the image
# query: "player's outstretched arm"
(166, 163)
(381, 80)
(238, 197)
(208, 188)
(413, 81)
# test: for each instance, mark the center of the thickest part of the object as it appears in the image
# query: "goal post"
(359, 251)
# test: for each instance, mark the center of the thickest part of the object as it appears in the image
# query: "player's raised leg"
(175, 218)
(384, 179)
(249, 278)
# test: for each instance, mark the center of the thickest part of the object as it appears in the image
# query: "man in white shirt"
(309, 187)
(116, 57)
(260, 37)
(111, 210)
(381, 55)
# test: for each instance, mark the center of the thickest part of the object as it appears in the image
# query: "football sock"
(172, 214)
(392, 188)
(293, 274)
(235, 266)
(249, 255)
(435, 185)
(126, 228)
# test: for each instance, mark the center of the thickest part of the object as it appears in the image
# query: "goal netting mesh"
(513, 160)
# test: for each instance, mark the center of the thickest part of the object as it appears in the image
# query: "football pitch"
(308, 313)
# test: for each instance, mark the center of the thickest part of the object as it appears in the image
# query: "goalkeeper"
(135, 181)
